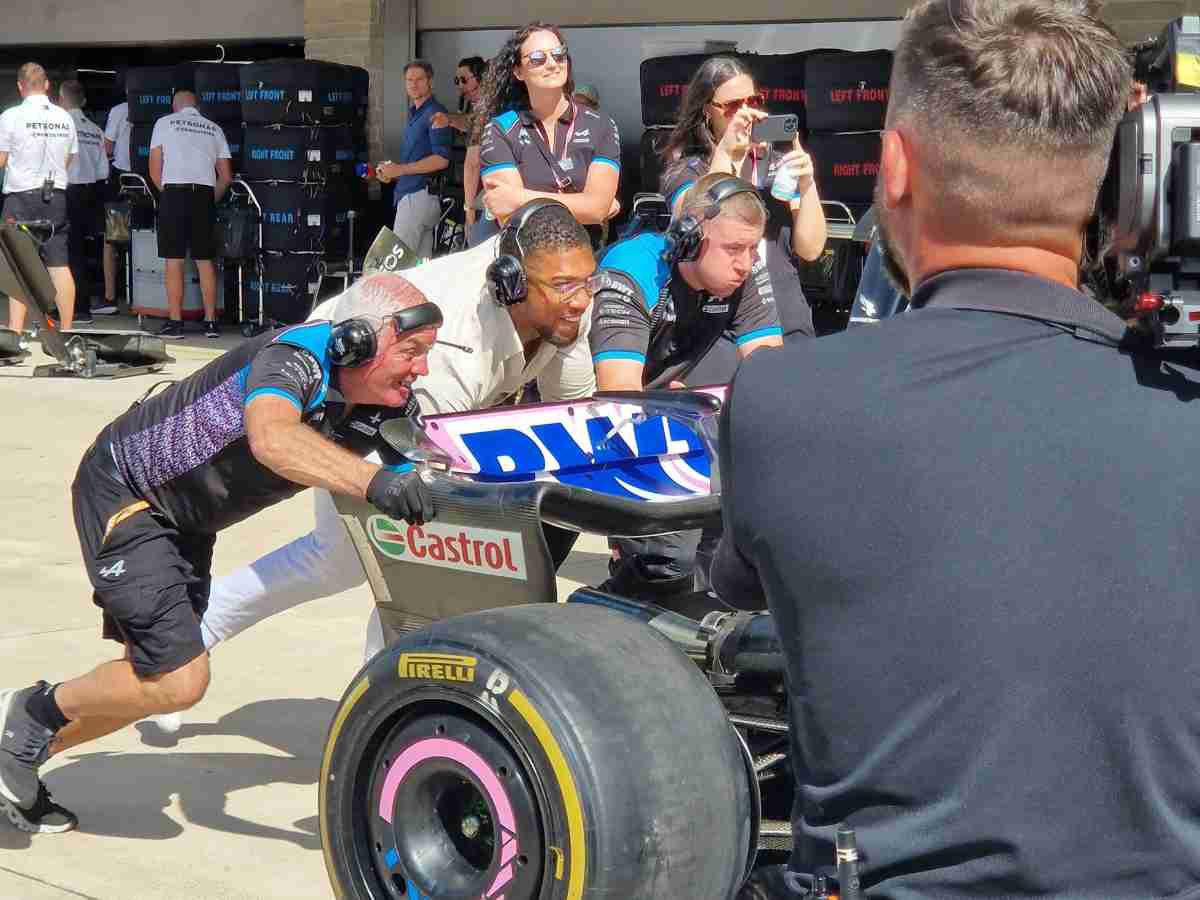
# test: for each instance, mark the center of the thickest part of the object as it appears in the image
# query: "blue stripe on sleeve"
(608, 162)
(622, 354)
(773, 331)
(497, 167)
(277, 392)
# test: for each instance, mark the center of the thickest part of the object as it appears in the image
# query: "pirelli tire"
(556, 752)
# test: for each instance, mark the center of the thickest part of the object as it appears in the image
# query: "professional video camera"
(1153, 200)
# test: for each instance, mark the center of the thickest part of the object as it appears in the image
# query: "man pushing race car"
(284, 411)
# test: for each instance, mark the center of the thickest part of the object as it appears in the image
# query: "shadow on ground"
(126, 794)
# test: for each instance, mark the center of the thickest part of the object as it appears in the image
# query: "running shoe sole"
(15, 815)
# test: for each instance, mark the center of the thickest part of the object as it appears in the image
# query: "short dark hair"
(477, 65)
(71, 91)
(423, 64)
(552, 227)
(1014, 104)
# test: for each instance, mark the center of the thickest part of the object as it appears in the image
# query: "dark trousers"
(81, 214)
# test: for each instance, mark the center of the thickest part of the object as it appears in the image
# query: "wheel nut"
(470, 827)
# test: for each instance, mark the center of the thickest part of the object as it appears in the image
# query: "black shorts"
(27, 206)
(151, 580)
(187, 217)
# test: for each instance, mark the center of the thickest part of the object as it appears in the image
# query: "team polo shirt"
(777, 273)
(422, 140)
(191, 146)
(38, 137)
(117, 130)
(582, 139)
(647, 313)
(91, 162)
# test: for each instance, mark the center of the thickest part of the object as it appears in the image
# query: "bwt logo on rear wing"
(611, 448)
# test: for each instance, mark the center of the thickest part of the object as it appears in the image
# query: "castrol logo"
(480, 550)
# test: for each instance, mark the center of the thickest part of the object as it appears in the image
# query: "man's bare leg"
(175, 289)
(16, 315)
(208, 288)
(64, 295)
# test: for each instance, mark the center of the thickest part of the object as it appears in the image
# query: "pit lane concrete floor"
(228, 810)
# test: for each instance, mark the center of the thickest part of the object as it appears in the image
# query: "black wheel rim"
(450, 812)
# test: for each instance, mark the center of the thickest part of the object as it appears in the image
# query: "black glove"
(402, 495)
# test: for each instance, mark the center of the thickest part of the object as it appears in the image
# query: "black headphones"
(353, 342)
(506, 274)
(687, 232)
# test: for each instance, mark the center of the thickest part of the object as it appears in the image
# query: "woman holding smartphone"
(713, 134)
(536, 141)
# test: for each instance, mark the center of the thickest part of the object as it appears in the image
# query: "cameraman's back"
(975, 534)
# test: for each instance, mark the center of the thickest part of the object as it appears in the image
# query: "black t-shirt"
(777, 274)
(646, 312)
(185, 450)
(987, 595)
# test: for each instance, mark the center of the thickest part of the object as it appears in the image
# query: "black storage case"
(289, 283)
(150, 90)
(847, 91)
(846, 166)
(297, 92)
(293, 153)
(219, 91)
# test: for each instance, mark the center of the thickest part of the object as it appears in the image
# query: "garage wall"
(1134, 19)
(610, 58)
(148, 21)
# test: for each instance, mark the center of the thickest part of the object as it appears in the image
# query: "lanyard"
(566, 146)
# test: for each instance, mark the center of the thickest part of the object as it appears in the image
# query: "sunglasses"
(538, 58)
(729, 107)
(462, 81)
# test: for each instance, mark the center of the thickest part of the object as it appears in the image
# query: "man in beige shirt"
(488, 350)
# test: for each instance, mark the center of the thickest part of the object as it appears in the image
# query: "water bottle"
(784, 185)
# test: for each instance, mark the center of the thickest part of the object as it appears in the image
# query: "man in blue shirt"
(425, 152)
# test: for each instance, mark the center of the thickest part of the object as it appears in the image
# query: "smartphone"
(775, 129)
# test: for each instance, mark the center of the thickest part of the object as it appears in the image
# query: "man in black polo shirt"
(973, 522)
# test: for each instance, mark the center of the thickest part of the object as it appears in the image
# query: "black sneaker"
(171, 331)
(212, 330)
(44, 817)
(84, 320)
(24, 745)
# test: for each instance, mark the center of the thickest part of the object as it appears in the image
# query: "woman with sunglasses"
(718, 110)
(468, 78)
(536, 141)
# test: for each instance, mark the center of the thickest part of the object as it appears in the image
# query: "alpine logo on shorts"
(480, 550)
(113, 572)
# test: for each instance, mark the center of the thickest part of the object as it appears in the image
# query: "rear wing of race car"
(634, 475)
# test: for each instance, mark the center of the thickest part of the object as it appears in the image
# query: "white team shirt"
(117, 130)
(91, 163)
(38, 137)
(191, 146)
(459, 381)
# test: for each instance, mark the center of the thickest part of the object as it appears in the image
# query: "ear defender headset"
(506, 274)
(687, 232)
(354, 342)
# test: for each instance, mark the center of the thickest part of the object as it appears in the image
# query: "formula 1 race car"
(508, 747)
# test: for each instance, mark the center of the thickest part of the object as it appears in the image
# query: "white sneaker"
(168, 723)
(105, 309)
